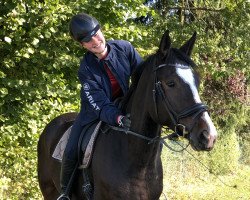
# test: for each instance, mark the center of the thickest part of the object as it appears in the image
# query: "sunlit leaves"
(7, 39)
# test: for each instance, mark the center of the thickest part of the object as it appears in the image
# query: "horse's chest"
(137, 188)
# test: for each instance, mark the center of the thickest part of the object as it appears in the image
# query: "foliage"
(39, 63)
(185, 178)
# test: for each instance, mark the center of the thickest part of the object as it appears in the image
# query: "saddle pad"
(60, 147)
(89, 149)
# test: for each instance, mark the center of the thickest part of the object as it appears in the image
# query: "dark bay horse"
(164, 91)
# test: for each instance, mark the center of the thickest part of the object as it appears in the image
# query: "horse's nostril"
(204, 136)
(207, 139)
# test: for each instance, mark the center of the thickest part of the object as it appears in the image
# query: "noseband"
(194, 110)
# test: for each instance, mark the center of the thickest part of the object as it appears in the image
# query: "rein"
(150, 140)
(162, 141)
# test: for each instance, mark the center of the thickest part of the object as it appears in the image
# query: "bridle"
(195, 110)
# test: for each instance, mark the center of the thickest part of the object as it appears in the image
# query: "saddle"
(85, 144)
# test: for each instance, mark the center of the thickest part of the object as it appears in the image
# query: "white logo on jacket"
(86, 87)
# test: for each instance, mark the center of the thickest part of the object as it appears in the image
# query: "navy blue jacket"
(96, 92)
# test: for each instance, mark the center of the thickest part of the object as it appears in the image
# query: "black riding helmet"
(83, 27)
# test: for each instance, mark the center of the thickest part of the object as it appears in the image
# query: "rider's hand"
(124, 121)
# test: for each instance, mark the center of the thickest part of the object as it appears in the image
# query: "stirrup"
(88, 190)
(63, 197)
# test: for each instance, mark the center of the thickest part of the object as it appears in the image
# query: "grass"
(186, 179)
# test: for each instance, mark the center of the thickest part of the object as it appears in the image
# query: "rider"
(104, 75)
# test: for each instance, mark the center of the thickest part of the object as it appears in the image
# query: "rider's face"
(96, 45)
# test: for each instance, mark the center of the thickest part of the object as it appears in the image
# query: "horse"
(164, 92)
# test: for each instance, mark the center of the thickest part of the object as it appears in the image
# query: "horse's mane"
(135, 77)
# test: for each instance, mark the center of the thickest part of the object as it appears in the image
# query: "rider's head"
(86, 30)
(83, 27)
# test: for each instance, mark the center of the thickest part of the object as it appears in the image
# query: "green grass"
(186, 179)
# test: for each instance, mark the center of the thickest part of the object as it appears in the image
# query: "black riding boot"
(68, 170)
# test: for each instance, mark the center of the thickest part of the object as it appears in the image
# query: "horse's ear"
(165, 44)
(188, 46)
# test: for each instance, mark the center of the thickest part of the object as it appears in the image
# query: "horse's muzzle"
(207, 140)
(204, 135)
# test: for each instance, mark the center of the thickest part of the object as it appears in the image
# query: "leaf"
(52, 29)
(7, 39)
(2, 74)
(35, 41)
(3, 92)
(30, 50)
(47, 34)
(26, 55)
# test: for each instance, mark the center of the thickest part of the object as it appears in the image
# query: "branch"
(193, 8)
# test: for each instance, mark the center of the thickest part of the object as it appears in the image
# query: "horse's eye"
(170, 84)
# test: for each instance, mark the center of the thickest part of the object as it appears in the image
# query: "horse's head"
(176, 98)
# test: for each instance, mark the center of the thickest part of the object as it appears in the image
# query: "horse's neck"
(142, 122)
(140, 149)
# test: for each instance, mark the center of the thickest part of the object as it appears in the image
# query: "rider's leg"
(70, 160)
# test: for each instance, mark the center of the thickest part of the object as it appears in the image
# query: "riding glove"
(124, 121)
